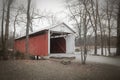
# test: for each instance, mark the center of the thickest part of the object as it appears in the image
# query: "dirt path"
(54, 70)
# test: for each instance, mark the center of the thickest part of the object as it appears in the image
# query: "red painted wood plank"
(38, 44)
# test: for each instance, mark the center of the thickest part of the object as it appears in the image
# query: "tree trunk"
(14, 32)
(13, 47)
(118, 32)
(101, 30)
(80, 43)
(85, 46)
(7, 28)
(27, 29)
(85, 40)
(101, 43)
(95, 47)
(109, 37)
(101, 36)
(105, 43)
(109, 15)
(2, 26)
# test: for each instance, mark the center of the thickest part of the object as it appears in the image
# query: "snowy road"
(98, 59)
(101, 59)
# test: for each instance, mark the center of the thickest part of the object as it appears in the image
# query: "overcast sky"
(50, 5)
(55, 7)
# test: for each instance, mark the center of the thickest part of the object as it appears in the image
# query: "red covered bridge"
(53, 40)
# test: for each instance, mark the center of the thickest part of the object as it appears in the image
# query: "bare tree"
(118, 30)
(80, 16)
(2, 24)
(72, 8)
(109, 13)
(27, 28)
(84, 56)
(101, 33)
(100, 18)
(14, 25)
(9, 2)
(93, 16)
(94, 21)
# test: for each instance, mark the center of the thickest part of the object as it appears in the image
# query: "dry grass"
(54, 70)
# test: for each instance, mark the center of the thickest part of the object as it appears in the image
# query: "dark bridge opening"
(57, 45)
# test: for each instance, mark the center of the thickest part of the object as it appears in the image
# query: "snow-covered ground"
(98, 59)
(90, 52)
(105, 51)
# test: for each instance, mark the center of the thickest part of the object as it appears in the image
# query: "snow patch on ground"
(105, 51)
